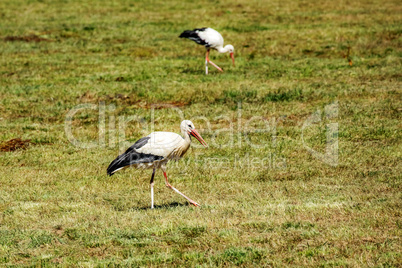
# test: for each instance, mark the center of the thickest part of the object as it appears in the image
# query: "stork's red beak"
(195, 134)
(232, 56)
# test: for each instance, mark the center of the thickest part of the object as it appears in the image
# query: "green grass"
(271, 204)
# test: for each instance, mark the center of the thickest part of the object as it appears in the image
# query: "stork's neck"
(186, 137)
(223, 49)
(184, 145)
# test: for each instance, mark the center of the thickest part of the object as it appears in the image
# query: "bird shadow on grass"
(169, 205)
(191, 71)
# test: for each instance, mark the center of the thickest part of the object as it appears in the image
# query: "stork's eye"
(189, 126)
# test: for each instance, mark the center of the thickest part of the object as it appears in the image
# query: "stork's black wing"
(193, 35)
(131, 157)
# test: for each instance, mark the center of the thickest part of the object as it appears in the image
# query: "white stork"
(209, 38)
(155, 150)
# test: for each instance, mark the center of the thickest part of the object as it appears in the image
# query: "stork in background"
(209, 38)
(155, 150)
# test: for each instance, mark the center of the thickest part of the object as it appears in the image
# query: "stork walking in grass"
(155, 150)
(209, 38)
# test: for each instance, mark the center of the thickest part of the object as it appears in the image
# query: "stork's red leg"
(177, 191)
(216, 66)
(213, 64)
(206, 62)
(152, 189)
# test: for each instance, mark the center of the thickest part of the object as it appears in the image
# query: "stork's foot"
(195, 204)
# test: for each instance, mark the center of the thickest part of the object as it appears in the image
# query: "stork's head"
(230, 49)
(187, 126)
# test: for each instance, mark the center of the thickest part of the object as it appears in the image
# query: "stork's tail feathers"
(188, 34)
(117, 164)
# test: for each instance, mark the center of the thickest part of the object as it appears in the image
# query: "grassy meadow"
(304, 162)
